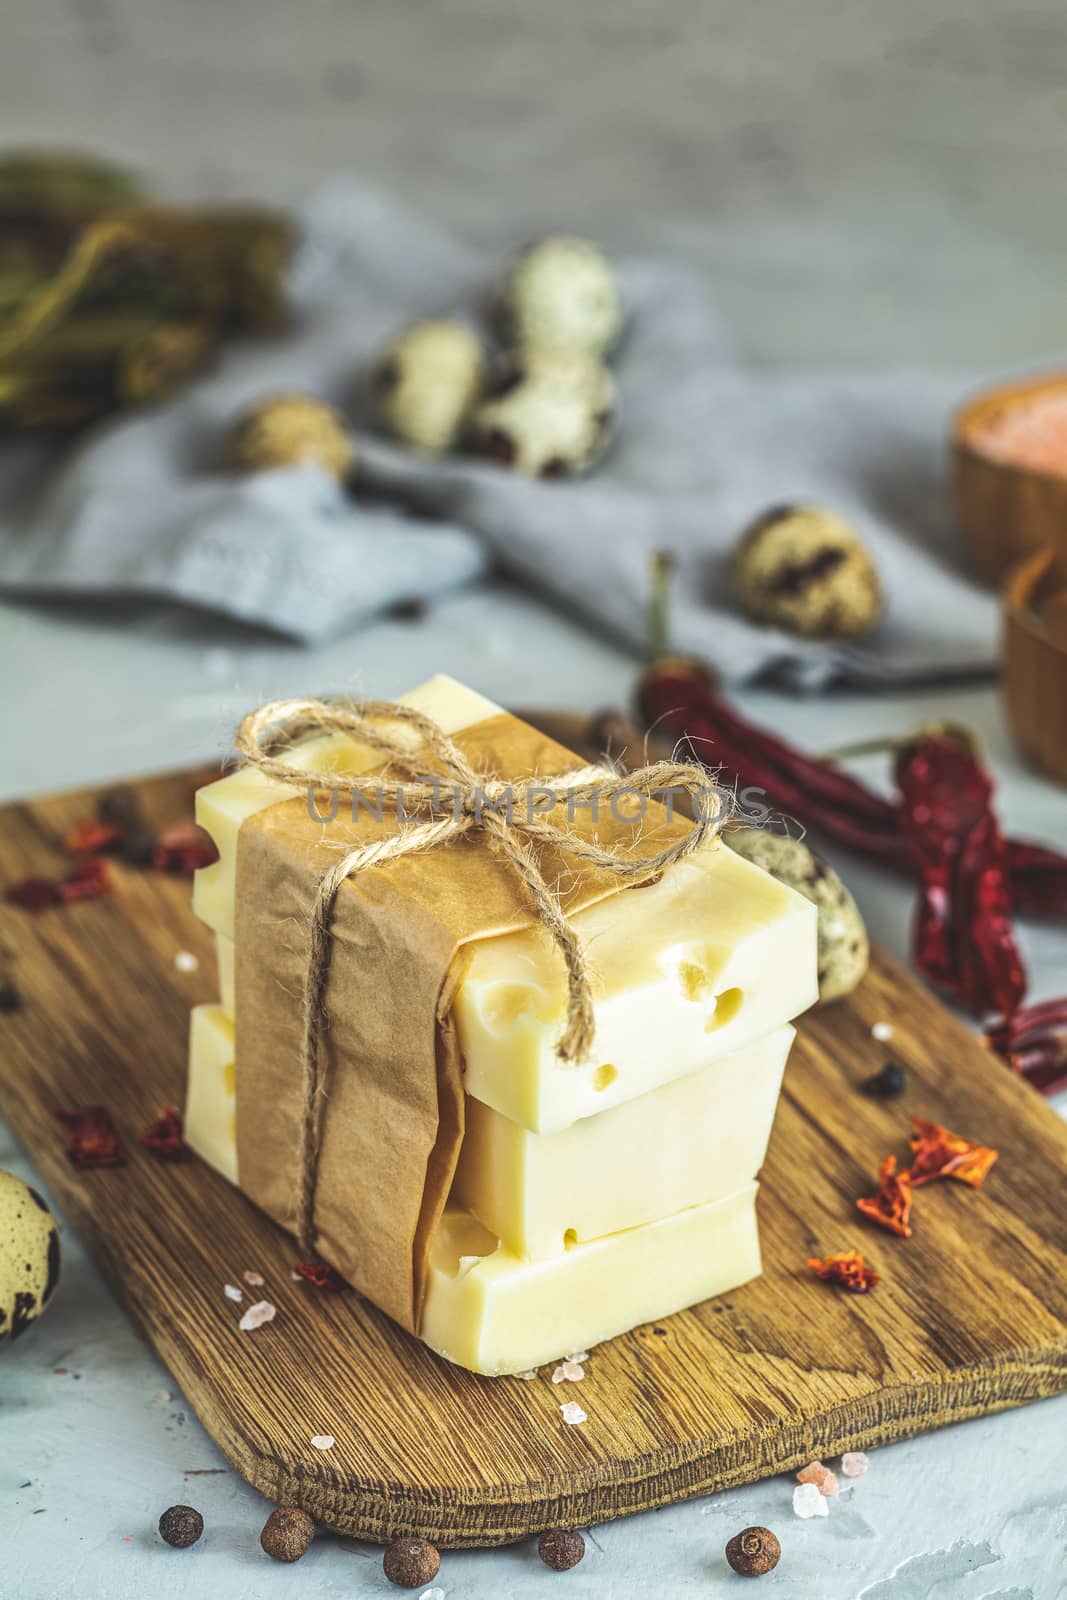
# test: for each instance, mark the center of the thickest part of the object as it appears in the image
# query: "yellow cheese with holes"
(684, 971)
(686, 1143)
(487, 1308)
(710, 958)
(491, 1312)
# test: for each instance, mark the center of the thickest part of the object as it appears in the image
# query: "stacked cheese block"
(590, 1198)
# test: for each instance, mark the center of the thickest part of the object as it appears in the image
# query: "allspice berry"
(411, 1563)
(753, 1551)
(287, 1533)
(286, 430)
(561, 1548)
(181, 1526)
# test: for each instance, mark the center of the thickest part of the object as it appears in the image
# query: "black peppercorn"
(287, 1533)
(561, 1549)
(118, 805)
(753, 1551)
(138, 848)
(181, 1526)
(411, 1563)
(886, 1084)
(10, 999)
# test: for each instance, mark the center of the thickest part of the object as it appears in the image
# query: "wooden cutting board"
(970, 1316)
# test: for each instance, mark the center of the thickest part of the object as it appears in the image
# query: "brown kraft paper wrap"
(394, 1114)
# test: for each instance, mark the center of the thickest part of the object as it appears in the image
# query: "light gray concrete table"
(92, 1452)
(871, 181)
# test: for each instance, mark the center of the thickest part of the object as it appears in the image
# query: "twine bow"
(441, 797)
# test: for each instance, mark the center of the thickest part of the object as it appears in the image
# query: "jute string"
(441, 797)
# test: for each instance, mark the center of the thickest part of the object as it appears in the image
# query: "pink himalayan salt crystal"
(808, 1502)
(823, 1479)
(569, 1372)
(256, 1280)
(854, 1463)
(573, 1413)
(257, 1315)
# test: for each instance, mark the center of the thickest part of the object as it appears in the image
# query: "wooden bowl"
(1005, 511)
(1034, 659)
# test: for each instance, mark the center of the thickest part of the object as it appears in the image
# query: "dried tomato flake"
(940, 1154)
(92, 837)
(183, 849)
(320, 1275)
(88, 880)
(164, 1138)
(891, 1206)
(33, 894)
(92, 1140)
(848, 1269)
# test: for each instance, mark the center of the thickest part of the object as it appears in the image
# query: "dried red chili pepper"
(676, 696)
(33, 894)
(964, 938)
(848, 1269)
(320, 1275)
(92, 837)
(92, 1140)
(891, 1206)
(1033, 1041)
(164, 1138)
(88, 881)
(940, 1154)
(183, 849)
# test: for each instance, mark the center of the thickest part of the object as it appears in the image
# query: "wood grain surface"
(970, 1317)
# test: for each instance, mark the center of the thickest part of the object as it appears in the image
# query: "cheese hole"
(727, 1005)
(695, 981)
(505, 1004)
(604, 1077)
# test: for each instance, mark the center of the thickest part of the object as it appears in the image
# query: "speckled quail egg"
(425, 382)
(286, 430)
(843, 947)
(550, 413)
(29, 1255)
(806, 570)
(563, 292)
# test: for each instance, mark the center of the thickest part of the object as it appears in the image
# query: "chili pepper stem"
(659, 604)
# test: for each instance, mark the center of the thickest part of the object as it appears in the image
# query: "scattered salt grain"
(526, 1376)
(882, 1031)
(297, 1277)
(256, 1280)
(568, 1372)
(577, 1356)
(808, 1502)
(163, 1396)
(573, 1413)
(854, 1463)
(185, 961)
(232, 1292)
(323, 1441)
(432, 1594)
(257, 1315)
(823, 1479)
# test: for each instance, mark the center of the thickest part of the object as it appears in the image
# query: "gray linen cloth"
(144, 505)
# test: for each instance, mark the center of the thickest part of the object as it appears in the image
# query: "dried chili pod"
(964, 940)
